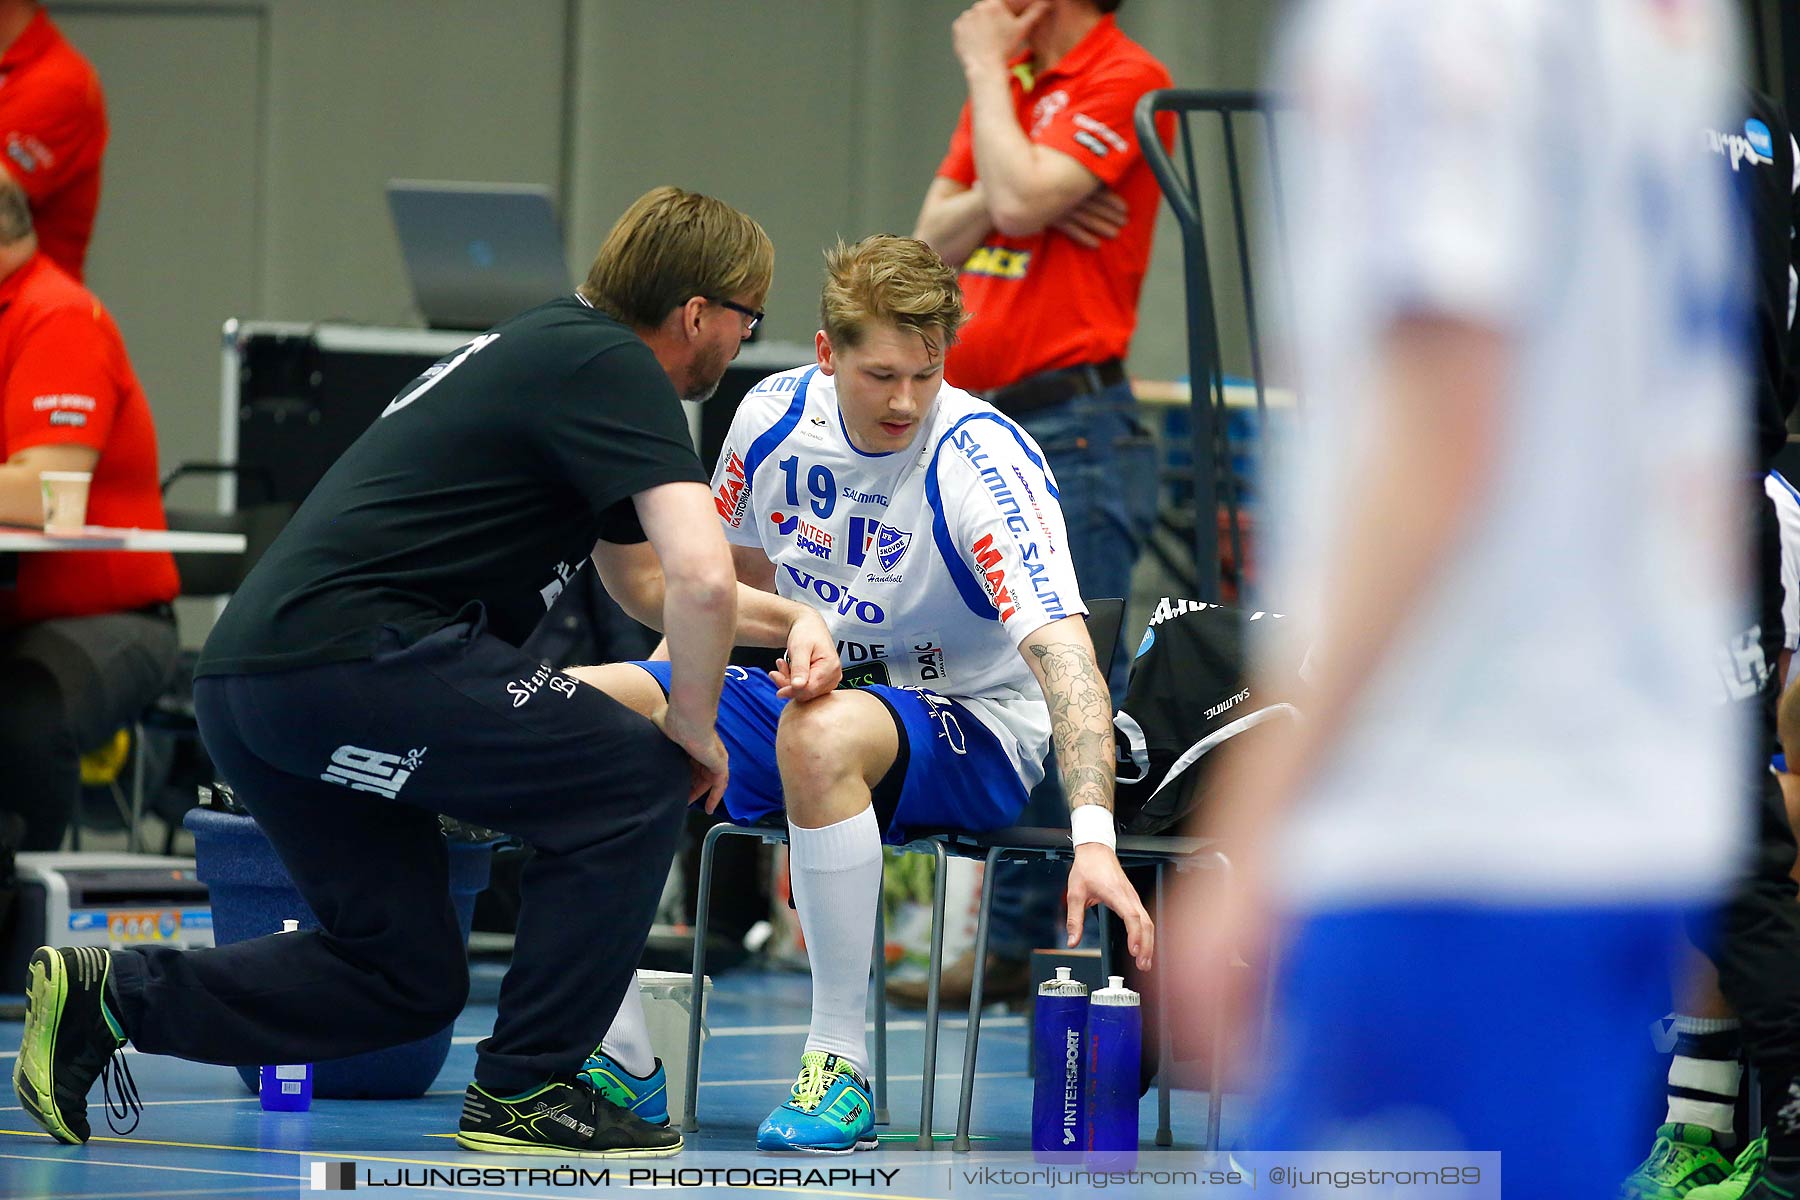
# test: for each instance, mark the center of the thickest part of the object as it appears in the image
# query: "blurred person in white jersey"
(1508, 527)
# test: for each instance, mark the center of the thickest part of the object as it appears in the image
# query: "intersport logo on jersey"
(813, 539)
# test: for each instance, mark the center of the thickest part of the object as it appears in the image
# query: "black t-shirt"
(488, 478)
(1761, 161)
(1190, 693)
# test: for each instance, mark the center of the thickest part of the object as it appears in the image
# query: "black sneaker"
(69, 1039)
(565, 1117)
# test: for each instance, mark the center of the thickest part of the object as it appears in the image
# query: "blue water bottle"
(286, 1088)
(1115, 1040)
(1059, 1075)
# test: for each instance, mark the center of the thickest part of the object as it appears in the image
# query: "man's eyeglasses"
(755, 314)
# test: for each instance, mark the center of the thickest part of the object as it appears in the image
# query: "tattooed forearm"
(1080, 721)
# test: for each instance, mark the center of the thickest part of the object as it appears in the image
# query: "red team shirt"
(68, 382)
(52, 134)
(1081, 306)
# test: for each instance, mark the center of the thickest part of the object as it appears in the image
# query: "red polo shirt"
(65, 380)
(1043, 301)
(52, 135)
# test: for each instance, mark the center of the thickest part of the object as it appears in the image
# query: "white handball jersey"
(929, 564)
(1544, 727)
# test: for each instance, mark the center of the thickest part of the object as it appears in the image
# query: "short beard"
(703, 380)
(699, 391)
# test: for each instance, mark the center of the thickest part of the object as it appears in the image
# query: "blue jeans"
(1106, 475)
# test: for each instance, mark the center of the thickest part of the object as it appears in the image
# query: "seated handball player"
(923, 526)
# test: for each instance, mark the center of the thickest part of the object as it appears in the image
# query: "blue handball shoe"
(829, 1111)
(645, 1097)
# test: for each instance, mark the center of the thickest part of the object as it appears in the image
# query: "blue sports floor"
(204, 1135)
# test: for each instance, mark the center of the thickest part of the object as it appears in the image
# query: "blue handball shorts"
(1447, 1027)
(957, 775)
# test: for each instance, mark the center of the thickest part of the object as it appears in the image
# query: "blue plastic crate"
(251, 895)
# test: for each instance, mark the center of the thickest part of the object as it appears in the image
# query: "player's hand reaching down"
(1097, 878)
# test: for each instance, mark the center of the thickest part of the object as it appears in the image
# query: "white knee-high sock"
(836, 873)
(628, 1041)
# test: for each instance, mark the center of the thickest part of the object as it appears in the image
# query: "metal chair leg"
(1215, 1083)
(690, 1122)
(928, 1081)
(1164, 1029)
(133, 833)
(880, 960)
(1106, 945)
(972, 1038)
(1753, 1111)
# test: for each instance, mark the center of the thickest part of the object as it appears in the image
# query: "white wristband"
(1091, 823)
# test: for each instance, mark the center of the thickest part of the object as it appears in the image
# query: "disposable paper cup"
(65, 499)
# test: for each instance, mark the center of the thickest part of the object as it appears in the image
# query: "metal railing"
(1217, 493)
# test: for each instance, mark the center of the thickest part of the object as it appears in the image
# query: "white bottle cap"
(1116, 993)
(290, 927)
(1062, 985)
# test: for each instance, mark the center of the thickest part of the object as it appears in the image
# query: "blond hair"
(895, 280)
(671, 246)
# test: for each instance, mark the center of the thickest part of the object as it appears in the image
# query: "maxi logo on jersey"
(734, 494)
(809, 537)
(839, 597)
(993, 576)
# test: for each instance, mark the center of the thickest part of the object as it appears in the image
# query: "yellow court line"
(162, 1103)
(288, 1180)
(318, 1154)
(101, 1162)
(240, 1190)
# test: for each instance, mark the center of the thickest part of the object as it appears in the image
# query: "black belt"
(163, 611)
(1056, 387)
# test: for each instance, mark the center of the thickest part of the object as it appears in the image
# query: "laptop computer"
(477, 253)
